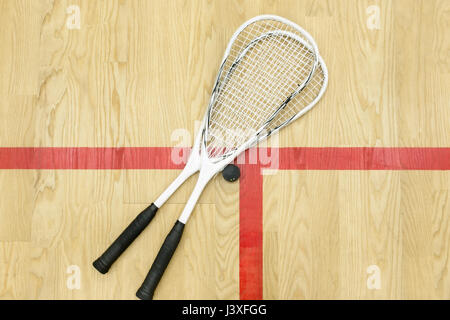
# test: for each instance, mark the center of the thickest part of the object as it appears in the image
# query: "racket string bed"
(265, 74)
(308, 95)
(253, 87)
(312, 92)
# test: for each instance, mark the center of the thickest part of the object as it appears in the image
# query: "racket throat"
(207, 171)
(191, 167)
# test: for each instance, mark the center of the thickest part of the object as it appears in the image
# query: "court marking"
(250, 191)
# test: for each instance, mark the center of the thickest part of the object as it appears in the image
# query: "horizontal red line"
(364, 158)
(295, 158)
(89, 158)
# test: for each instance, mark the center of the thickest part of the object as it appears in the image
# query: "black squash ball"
(231, 173)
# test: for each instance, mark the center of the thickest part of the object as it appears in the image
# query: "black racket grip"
(161, 262)
(114, 251)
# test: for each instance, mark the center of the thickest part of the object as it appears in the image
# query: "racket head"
(268, 61)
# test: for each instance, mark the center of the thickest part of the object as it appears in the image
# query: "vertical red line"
(250, 233)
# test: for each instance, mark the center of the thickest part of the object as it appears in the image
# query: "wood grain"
(139, 74)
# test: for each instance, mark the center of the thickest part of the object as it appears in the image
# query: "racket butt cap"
(100, 266)
(144, 295)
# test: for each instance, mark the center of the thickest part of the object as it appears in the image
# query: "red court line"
(250, 247)
(287, 159)
(250, 233)
(90, 158)
(364, 158)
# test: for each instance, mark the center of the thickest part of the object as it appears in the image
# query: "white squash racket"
(269, 66)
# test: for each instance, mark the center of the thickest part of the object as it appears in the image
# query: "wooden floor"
(136, 71)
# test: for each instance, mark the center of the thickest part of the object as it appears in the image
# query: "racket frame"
(198, 157)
